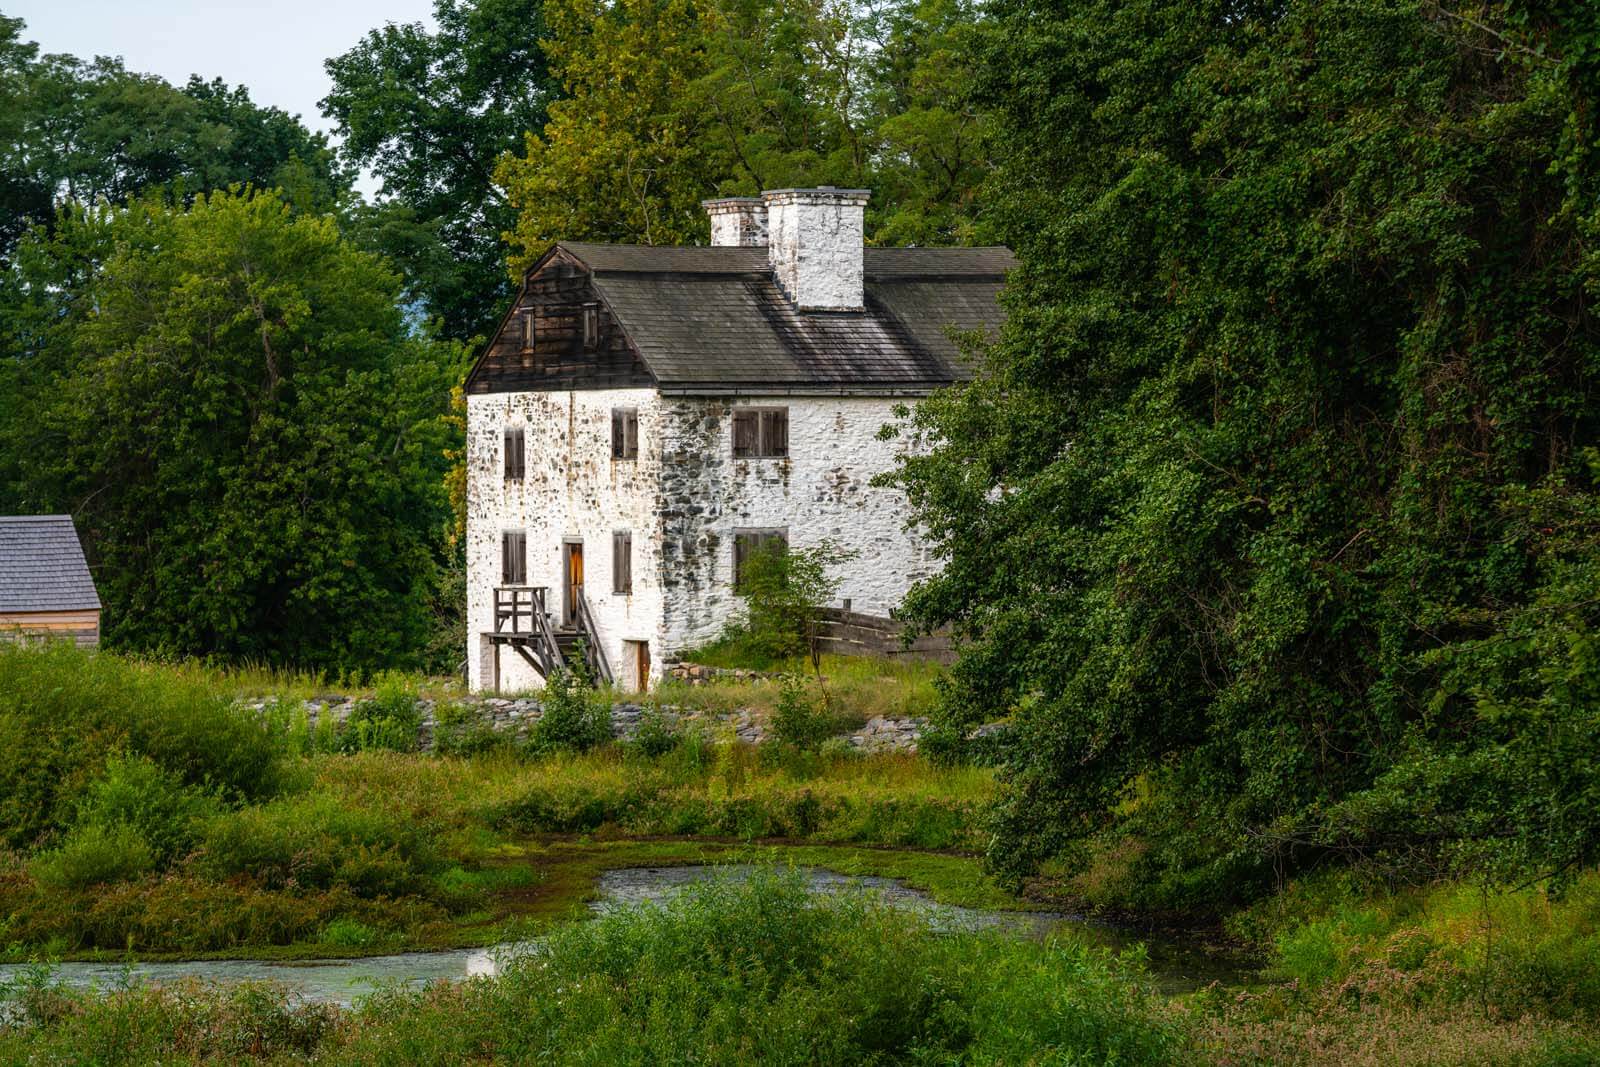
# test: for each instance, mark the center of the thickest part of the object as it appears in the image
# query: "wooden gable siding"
(82, 627)
(556, 295)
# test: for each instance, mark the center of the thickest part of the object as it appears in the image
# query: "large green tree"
(667, 102)
(430, 113)
(228, 398)
(1273, 516)
(72, 130)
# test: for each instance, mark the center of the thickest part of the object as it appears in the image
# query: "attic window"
(591, 327)
(624, 433)
(759, 432)
(525, 320)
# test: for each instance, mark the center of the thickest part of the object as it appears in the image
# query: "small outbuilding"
(45, 586)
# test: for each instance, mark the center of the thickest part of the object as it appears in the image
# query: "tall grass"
(727, 974)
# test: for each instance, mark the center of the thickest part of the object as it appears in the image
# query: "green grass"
(864, 686)
(725, 974)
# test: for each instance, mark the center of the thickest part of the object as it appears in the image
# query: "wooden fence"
(848, 633)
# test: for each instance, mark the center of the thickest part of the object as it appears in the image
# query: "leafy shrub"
(165, 813)
(799, 720)
(466, 730)
(389, 720)
(348, 933)
(314, 841)
(574, 719)
(93, 854)
(64, 712)
(655, 735)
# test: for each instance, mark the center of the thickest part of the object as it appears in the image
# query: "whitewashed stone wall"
(682, 499)
(821, 491)
(572, 488)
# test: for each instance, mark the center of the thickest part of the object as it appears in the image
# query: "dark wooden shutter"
(618, 437)
(741, 552)
(513, 557)
(514, 455)
(630, 433)
(745, 433)
(775, 432)
(622, 562)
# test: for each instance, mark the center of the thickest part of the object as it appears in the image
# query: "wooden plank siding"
(555, 298)
(83, 627)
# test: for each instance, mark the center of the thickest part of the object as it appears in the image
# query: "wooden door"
(641, 665)
(574, 583)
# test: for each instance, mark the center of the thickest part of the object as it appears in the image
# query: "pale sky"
(275, 49)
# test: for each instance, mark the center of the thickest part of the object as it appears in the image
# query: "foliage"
(785, 591)
(430, 113)
(654, 735)
(94, 853)
(732, 972)
(389, 719)
(154, 803)
(65, 713)
(87, 131)
(667, 102)
(575, 718)
(1272, 513)
(226, 396)
(798, 720)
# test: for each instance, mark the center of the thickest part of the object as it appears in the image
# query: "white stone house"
(645, 416)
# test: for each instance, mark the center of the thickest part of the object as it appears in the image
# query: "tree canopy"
(1272, 517)
(665, 103)
(430, 113)
(226, 396)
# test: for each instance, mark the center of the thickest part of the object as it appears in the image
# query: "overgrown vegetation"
(1273, 513)
(834, 981)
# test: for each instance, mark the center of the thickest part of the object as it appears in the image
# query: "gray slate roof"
(712, 317)
(42, 566)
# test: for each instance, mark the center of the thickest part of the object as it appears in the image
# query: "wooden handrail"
(598, 664)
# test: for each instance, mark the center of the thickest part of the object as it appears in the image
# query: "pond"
(1176, 967)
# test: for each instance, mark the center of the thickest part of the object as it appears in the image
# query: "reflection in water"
(1177, 968)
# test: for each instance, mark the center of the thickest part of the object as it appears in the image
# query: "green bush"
(163, 811)
(575, 718)
(799, 720)
(64, 712)
(313, 841)
(389, 720)
(466, 730)
(655, 735)
(93, 854)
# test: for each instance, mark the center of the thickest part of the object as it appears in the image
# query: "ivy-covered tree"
(227, 397)
(1273, 516)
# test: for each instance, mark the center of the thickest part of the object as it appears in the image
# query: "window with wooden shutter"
(525, 318)
(624, 433)
(591, 328)
(622, 562)
(515, 456)
(761, 432)
(513, 557)
(746, 543)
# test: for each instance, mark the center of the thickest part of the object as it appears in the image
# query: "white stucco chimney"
(739, 221)
(815, 237)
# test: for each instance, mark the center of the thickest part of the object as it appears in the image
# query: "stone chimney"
(737, 221)
(814, 240)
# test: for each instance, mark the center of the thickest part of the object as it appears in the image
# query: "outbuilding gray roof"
(42, 566)
(709, 318)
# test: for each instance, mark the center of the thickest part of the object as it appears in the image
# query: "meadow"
(146, 815)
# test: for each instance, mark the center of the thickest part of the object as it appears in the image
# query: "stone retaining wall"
(517, 715)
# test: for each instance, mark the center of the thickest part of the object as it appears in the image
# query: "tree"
(786, 591)
(430, 114)
(77, 131)
(667, 103)
(228, 399)
(1271, 515)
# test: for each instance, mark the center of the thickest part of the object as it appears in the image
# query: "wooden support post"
(496, 668)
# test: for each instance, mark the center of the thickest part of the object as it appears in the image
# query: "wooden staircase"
(523, 623)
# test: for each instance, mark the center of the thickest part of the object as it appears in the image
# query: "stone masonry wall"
(822, 490)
